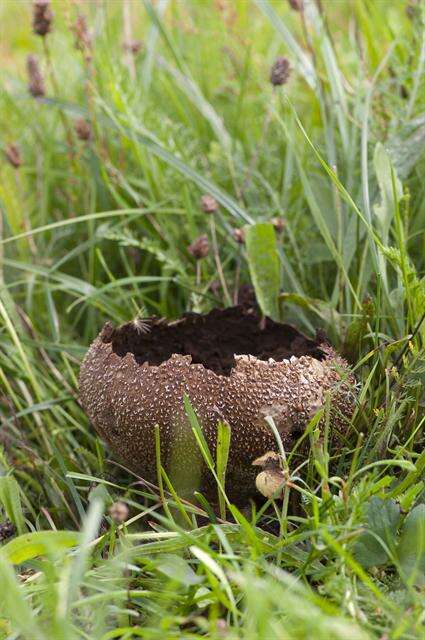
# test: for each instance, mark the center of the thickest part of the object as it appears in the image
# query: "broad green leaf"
(264, 266)
(10, 499)
(38, 543)
(381, 522)
(411, 548)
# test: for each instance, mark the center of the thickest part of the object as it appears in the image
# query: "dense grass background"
(98, 229)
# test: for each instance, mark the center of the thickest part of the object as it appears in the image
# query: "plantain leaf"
(411, 548)
(381, 522)
(264, 266)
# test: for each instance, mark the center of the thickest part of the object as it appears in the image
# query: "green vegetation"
(97, 214)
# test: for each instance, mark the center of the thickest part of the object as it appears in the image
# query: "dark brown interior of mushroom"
(212, 340)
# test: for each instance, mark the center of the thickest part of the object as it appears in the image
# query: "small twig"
(198, 273)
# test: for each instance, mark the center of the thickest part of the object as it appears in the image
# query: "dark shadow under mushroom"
(212, 340)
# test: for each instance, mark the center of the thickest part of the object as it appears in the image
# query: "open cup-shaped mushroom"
(233, 367)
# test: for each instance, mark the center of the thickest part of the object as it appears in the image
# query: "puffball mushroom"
(234, 367)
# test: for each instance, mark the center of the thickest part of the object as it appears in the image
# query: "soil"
(212, 339)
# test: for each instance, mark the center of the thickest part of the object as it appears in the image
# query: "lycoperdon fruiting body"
(233, 367)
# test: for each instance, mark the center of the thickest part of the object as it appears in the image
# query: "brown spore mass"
(213, 340)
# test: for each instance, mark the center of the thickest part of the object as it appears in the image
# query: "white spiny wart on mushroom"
(132, 380)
